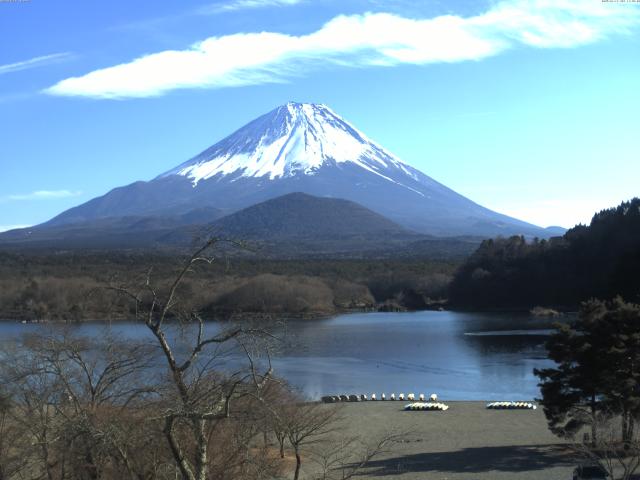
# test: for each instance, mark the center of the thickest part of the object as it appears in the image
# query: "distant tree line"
(70, 286)
(600, 260)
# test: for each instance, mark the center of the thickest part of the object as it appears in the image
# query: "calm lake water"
(459, 356)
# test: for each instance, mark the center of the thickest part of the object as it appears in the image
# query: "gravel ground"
(465, 442)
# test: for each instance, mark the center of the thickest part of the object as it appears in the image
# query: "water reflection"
(457, 355)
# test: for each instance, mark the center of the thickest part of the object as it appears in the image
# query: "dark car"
(590, 472)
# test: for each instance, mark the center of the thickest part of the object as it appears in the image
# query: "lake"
(459, 356)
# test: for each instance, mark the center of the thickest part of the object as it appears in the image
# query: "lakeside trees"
(192, 403)
(80, 408)
(77, 407)
(66, 286)
(198, 395)
(597, 380)
(600, 260)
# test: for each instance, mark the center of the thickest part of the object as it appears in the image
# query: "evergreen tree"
(623, 355)
(572, 392)
(598, 358)
(599, 260)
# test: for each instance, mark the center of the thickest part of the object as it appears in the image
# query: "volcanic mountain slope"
(301, 225)
(298, 215)
(302, 148)
(108, 232)
(295, 225)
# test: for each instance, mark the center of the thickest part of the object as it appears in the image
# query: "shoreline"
(252, 316)
(401, 403)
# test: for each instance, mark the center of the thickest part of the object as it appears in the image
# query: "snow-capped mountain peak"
(293, 139)
(301, 148)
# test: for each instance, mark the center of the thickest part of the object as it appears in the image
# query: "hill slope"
(301, 225)
(300, 215)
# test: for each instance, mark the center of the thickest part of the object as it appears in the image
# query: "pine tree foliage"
(597, 370)
(600, 260)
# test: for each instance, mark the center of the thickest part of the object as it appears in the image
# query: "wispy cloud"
(34, 62)
(368, 40)
(43, 195)
(235, 5)
(158, 24)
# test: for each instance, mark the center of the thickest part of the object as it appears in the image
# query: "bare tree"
(76, 400)
(31, 392)
(609, 451)
(199, 395)
(12, 442)
(276, 403)
(307, 425)
(317, 432)
(346, 457)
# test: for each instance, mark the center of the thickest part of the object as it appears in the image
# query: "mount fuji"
(299, 147)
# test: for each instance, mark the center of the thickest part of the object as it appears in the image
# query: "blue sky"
(527, 107)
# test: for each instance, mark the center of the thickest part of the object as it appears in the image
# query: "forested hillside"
(599, 260)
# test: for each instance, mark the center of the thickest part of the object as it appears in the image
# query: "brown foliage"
(279, 294)
(69, 287)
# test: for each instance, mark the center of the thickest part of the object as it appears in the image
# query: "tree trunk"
(178, 456)
(90, 467)
(45, 457)
(202, 461)
(298, 463)
(594, 430)
(627, 425)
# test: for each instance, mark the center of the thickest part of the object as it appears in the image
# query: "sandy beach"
(466, 442)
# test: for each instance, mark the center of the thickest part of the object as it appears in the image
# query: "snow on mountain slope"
(302, 147)
(296, 138)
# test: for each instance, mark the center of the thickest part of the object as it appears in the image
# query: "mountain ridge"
(308, 148)
(296, 225)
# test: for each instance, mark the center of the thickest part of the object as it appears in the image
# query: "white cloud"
(372, 39)
(235, 5)
(34, 62)
(44, 195)
(6, 228)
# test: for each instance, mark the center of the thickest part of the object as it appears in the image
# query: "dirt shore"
(465, 442)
